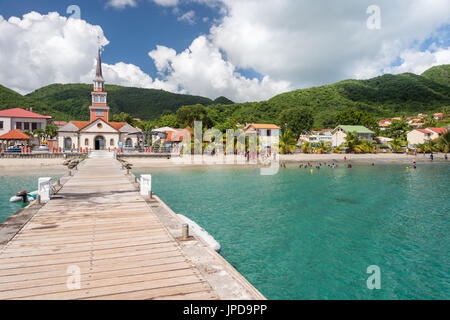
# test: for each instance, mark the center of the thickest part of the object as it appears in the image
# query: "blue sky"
(246, 50)
(132, 31)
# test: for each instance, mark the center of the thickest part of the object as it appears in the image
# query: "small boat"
(24, 196)
(202, 233)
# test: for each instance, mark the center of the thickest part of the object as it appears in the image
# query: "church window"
(111, 142)
(86, 142)
(99, 113)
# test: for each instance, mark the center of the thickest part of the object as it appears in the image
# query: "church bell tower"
(99, 109)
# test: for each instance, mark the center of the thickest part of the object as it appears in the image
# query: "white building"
(269, 134)
(419, 136)
(21, 119)
(325, 135)
(340, 134)
(98, 133)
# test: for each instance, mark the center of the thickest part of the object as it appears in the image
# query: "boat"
(30, 196)
(202, 233)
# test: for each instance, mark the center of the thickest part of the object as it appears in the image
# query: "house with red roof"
(269, 134)
(98, 133)
(419, 136)
(22, 119)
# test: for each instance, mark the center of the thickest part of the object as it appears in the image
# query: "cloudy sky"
(246, 50)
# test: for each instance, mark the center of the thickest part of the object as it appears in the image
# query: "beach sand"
(151, 163)
(32, 166)
(13, 166)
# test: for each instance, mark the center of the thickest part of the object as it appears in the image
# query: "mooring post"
(146, 184)
(44, 188)
(38, 199)
(70, 173)
(185, 231)
(150, 194)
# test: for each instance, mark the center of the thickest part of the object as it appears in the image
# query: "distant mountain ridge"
(384, 96)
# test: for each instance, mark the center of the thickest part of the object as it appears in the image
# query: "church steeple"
(99, 109)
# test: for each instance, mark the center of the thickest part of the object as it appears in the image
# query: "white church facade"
(98, 133)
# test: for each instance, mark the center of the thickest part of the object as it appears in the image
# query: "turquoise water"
(9, 185)
(298, 235)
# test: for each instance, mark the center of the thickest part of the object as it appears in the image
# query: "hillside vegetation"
(384, 96)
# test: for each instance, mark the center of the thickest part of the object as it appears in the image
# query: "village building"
(23, 120)
(420, 136)
(324, 135)
(340, 134)
(98, 133)
(269, 134)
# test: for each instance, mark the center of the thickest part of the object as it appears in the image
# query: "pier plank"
(99, 223)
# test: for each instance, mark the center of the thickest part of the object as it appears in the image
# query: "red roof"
(438, 130)
(83, 124)
(15, 134)
(80, 124)
(117, 125)
(262, 126)
(423, 131)
(21, 113)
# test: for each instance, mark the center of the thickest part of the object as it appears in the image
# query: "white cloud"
(418, 62)
(318, 42)
(38, 50)
(120, 4)
(188, 17)
(166, 3)
(201, 70)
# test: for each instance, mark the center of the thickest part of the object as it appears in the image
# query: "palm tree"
(323, 147)
(51, 131)
(396, 145)
(338, 150)
(39, 133)
(352, 140)
(306, 147)
(366, 146)
(287, 142)
(444, 142)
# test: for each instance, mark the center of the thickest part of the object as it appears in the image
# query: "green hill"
(384, 96)
(439, 74)
(73, 100)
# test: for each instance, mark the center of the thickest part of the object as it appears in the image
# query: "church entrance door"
(99, 143)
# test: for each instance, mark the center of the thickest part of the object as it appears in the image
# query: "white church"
(98, 133)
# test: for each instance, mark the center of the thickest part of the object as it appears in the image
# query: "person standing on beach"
(431, 156)
(446, 157)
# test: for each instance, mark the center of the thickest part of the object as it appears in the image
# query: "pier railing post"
(185, 231)
(146, 184)
(44, 188)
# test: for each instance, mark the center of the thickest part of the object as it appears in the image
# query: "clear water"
(9, 185)
(299, 235)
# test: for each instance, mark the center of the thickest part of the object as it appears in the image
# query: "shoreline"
(10, 167)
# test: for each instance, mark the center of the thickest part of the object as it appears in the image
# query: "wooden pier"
(99, 225)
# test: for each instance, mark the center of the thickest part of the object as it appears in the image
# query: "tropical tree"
(323, 147)
(397, 145)
(365, 146)
(444, 142)
(338, 150)
(306, 147)
(352, 140)
(51, 131)
(39, 133)
(298, 120)
(287, 142)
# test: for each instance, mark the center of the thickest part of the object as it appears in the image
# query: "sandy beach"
(17, 166)
(32, 166)
(149, 163)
